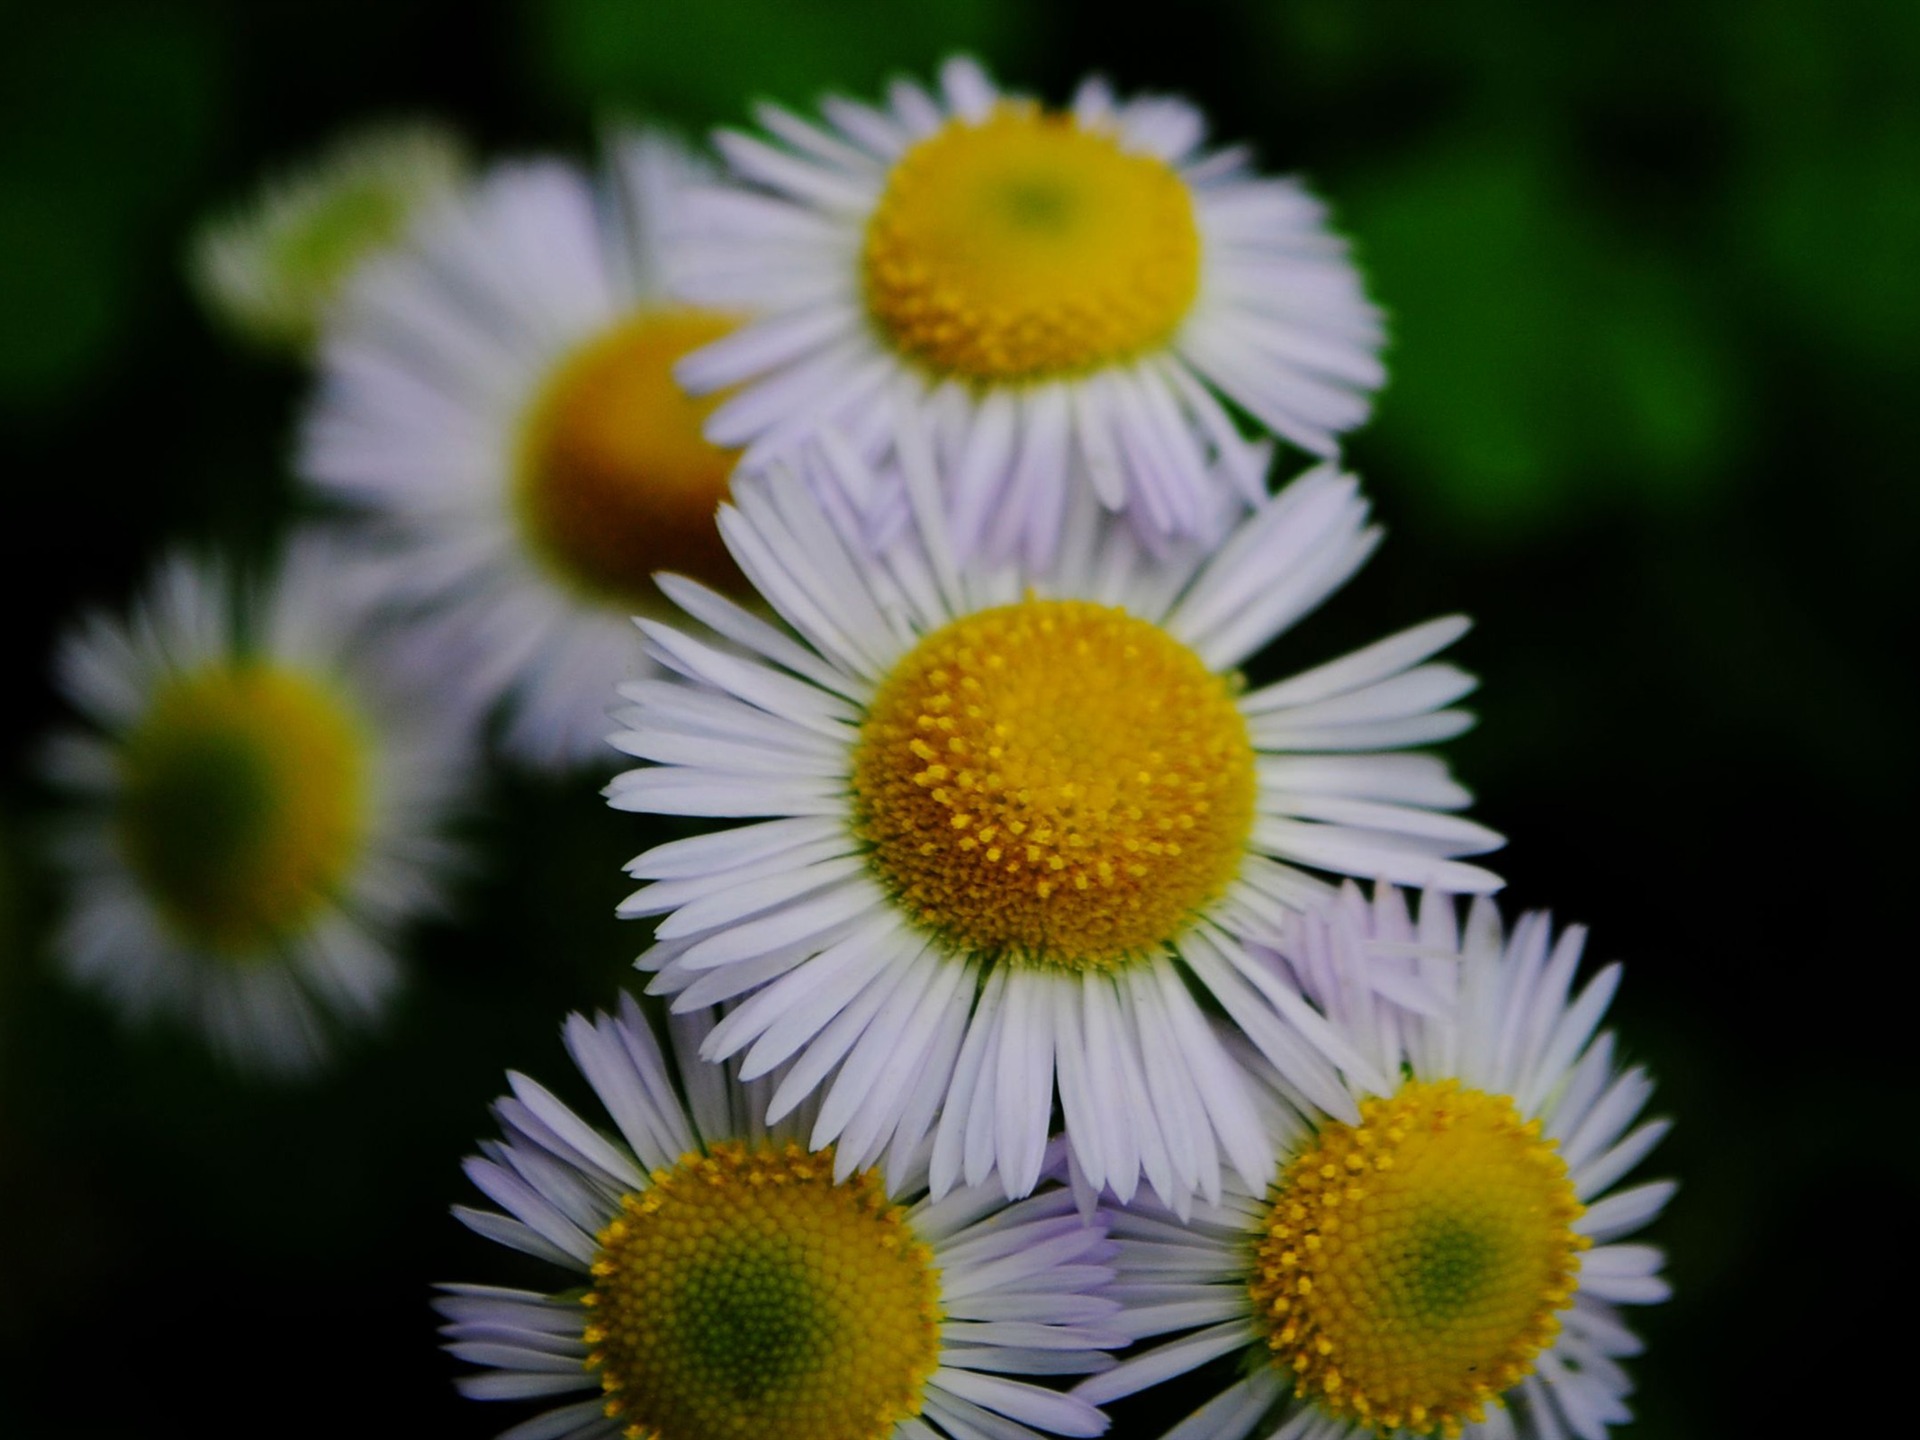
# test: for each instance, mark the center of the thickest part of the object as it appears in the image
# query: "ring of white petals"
(1018, 1286)
(789, 917)
(265, 998)
(1511, 1026)
(490, 399)
(1278, 328)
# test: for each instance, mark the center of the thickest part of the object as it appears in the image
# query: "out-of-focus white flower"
(258, 807)
(269, 269)
(498, 400)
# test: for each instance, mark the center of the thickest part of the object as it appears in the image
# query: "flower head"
(737, 1285)
(1005, 823)
(270, 270)
(1443, 1264)
(1083, 298)
(259, 805)
(497, 400)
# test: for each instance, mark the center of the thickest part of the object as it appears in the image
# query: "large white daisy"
(258, 806)
(737, 1286)
(1449, 1265)
(1085, 298)
(1009, 823)
(498, 399)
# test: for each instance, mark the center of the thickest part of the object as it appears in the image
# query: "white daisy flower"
(1450, 1263)
(1081, 298)
(260, 803)
(1008, 823)
(269, 270)
(736, 1285)
(499, 399)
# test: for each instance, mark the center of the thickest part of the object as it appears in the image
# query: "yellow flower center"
(745, 1294)
(1023, 247)
(615, 479)
(1054, 781)
(242, 802)
(1411, 1267)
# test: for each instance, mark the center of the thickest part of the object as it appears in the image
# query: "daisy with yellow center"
(1061, 299)
(1004, 825)
(732, 1284)
(1444, 1263)
(258, 808)
(498, 401)
(270, 270)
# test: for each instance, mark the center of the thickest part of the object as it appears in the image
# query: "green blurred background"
(1654, 274)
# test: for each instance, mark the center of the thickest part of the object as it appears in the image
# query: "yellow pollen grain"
(1023, 247)
(614, 479)
(1419, 1290)
(1105, 798)
(746, 1294)
(242, 803)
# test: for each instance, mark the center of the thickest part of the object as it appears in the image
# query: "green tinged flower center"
(242, 803)
(746, 1294)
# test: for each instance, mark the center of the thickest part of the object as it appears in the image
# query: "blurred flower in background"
(260, 810)
(269, 269)
(497, 399)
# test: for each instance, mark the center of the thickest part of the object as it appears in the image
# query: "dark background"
(1654, 273)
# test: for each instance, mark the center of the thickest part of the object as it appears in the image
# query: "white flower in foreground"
(1448, 1265)
(1006, 822)
(735, 1287)
(1070, 299)
(259, 805)
(270, 269)
(498, 399)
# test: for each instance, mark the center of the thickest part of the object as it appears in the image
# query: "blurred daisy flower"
(269, 269)
(1007, 827)
(258, 808)
(724, 1281)
(499, 400)
(1448, 1263)
(1085, 298)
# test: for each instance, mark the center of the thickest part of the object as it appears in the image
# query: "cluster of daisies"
(1041, 1012)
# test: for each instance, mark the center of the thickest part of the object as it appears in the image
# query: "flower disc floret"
(1024, 246)
(1056, 781)
(1411, 1267)
(746, 1294)
(615, 479)
(243, 802)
